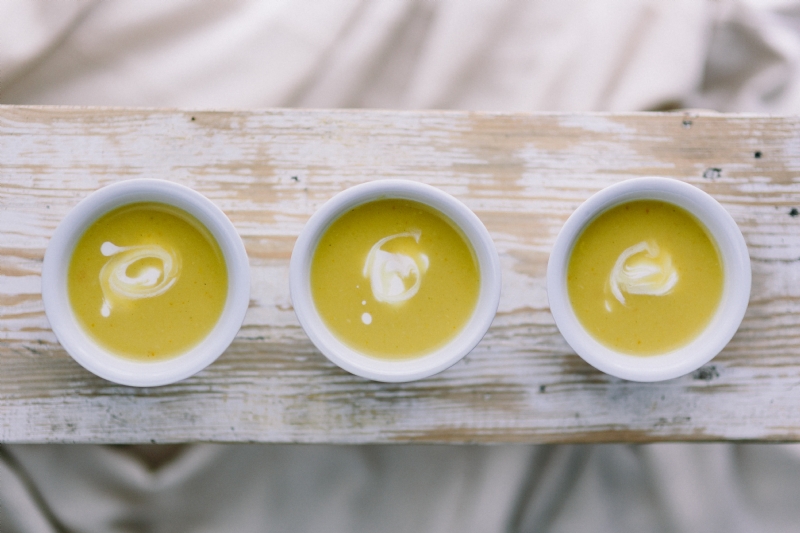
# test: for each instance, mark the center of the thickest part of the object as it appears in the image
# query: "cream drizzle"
(389, 272)
(149, 282)
(643, 269)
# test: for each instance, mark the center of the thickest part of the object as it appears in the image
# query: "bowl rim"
(723, 324)
(394, 371)
(78, 343)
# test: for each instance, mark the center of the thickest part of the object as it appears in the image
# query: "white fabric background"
(514, 55)
(511, 55)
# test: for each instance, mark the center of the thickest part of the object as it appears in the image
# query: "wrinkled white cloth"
(414, 489)
(508, 55)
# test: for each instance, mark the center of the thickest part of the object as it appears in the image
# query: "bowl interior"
(81, 346)
(723, 324)
(408, 369)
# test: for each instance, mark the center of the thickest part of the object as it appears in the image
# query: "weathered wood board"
(522, 174)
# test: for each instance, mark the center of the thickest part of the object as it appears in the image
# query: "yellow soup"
(644, 277)
(394, 279)
(147, 281)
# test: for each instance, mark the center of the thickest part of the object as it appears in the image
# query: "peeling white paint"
(522, 175)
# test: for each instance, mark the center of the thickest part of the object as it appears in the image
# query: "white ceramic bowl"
(372, 367)
(724, 323)
(59, 311)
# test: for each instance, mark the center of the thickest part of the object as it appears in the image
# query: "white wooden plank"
(522, 174)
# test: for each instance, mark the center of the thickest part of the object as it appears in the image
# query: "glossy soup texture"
(645, 277)
(147, 281)
(394, 279)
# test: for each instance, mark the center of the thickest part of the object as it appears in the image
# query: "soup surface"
(645, 277)
(394, 279)
(147, 281)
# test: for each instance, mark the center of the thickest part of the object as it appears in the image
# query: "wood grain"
(522, 174)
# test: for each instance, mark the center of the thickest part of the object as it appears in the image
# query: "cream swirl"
(148, 282)
(394, 277)
(643, 269)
